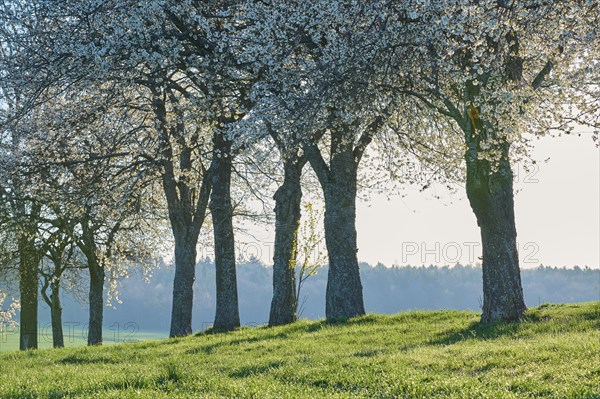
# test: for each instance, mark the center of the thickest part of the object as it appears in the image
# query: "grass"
(555, 353)
(74, 337)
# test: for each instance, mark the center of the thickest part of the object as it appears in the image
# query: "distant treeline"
(386, 290)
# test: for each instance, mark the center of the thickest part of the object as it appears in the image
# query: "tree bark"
(227, 315)
(56, 316)
(344, 293)
(490, 193)
(96, 299)
(288, 199)
(28, 286)
(183, 284)
(87, 244)
(53, 302)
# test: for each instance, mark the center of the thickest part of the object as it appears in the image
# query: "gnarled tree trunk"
(490, 193)
(344, 294)
(288, 199)
(227, 316)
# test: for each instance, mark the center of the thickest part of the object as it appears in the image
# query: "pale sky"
(557, 216)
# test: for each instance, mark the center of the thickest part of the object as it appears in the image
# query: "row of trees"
(147, 304)
(119, 115)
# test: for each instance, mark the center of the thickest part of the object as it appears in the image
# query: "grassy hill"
(441, 354)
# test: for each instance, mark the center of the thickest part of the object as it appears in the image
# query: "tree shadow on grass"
(248, 371)
(535, 320)
(479, 331)
(87, 359)
(226, 342)
(594, 317)
(265, 333)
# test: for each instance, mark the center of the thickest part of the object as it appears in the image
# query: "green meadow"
(554, 353)
(76, 336)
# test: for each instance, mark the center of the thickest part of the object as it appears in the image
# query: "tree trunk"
(186, 214)
(490, 194)
(96, 298)
(183, 284)
(56, 316)
(344, 295)
(288, 199)
(227, 315)
(28, 286)
(53, 302)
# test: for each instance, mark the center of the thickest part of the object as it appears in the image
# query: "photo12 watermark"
(454, 252)
(73, 332)
(523, 172)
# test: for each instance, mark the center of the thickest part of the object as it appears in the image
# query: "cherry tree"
(502, 72)
(485, 74)
(105, 49)
(173, 62)
(61, 264)
(319, 59)
(21, 209)
(288, 199)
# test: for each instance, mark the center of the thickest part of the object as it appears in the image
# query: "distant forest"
(386, 290)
